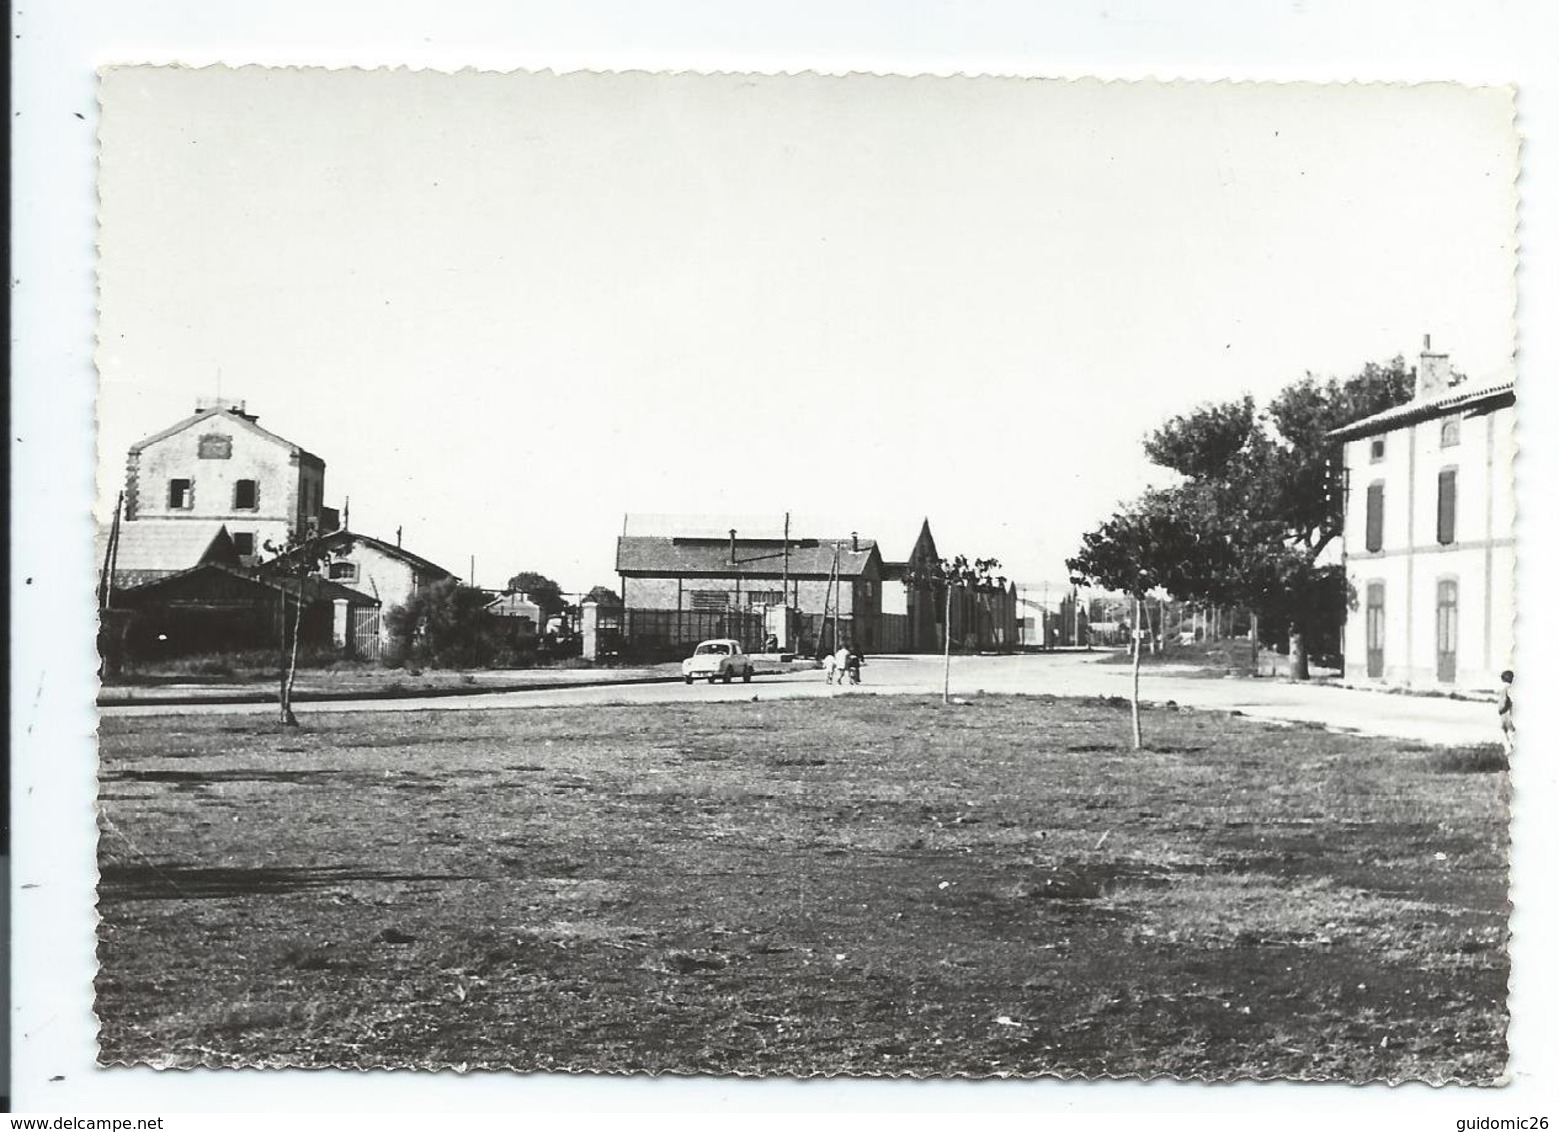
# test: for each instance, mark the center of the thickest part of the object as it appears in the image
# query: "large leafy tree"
(604, 596)
(542, 590)
(1264, 481)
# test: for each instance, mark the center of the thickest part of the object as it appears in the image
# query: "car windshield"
(714, 648)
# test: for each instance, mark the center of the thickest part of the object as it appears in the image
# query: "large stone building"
(1428, 535)
(216, 468)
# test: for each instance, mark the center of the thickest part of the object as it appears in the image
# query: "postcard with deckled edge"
(805, 575)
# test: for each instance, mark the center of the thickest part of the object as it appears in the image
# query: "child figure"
(1507, 720)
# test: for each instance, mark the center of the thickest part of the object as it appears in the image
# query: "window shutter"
(1374, 516)
(1446, 526)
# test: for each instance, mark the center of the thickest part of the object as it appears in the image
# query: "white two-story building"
(1429, 535)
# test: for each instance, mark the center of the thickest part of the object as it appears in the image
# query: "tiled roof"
(1457, 400)
(151, 544)
(316, 588)
(809, 558)
(339, 540)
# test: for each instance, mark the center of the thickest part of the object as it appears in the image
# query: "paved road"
(1427, 719)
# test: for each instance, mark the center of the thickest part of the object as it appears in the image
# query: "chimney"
(855, 542)
(733, 546)
(1434, 375)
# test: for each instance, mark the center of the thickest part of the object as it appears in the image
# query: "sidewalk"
(318, 686)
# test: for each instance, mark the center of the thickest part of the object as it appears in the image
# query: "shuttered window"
(1445, 525)
(1374, 515)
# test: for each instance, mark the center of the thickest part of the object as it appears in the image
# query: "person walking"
(1507, 715)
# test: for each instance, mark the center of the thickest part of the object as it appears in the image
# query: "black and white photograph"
(796, 575)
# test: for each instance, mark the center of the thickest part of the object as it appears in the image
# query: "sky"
(509, 310)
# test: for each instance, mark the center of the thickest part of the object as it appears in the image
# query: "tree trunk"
(1298, 659)
(287, 718)
(947, 646)
(1255, 646)
(1136, 678)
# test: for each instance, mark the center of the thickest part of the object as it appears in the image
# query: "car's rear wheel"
(711, 679)
(689, 679)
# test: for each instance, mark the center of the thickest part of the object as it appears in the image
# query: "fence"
(657, 630)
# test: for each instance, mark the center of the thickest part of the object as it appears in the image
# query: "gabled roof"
(314, 588)
(514, 605)
(171, 544)
(228, 414)
(711, 557)
(343, 540)
(1457, 400)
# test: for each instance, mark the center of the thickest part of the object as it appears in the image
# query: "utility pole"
(833, 583)
(785, 590)
(105, 589)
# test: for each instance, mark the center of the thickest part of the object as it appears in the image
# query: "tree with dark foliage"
(1266, 480)
(446, 624)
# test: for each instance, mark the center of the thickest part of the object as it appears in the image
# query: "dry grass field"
(857, 885)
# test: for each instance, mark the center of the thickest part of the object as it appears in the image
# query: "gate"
(364, 642)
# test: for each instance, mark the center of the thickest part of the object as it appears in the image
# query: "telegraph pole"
(785, 590)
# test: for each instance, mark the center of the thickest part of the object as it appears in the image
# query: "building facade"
(384, 571)
(729, 581)
(1429, 535)
(217, 468)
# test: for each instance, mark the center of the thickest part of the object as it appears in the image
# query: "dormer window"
(246, 496)
(1450, 433)
(181, 495)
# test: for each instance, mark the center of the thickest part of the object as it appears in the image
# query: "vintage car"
(718, 660)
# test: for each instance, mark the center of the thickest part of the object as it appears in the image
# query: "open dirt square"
(858, 885)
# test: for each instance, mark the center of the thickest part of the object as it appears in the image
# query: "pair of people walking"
(843, 665)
